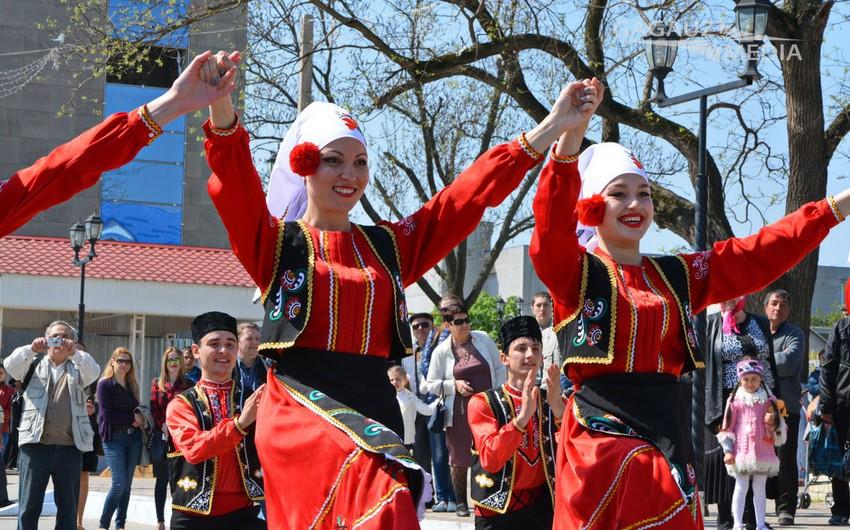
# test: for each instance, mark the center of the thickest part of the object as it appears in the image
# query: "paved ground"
(141, 510)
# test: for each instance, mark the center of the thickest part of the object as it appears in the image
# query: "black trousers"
(841, 495)
(244, 519)
(535, 517)
(422, 443)
(786, 482)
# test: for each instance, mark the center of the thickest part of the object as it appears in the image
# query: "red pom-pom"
(591, 211)
(304, 159)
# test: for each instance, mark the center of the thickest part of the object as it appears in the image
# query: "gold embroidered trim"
(682, 315)
(511, 415)
(281, 228)
(835, 211)
(396, 295)
(666, 317)
(311, 266)
(612, 278)
(609, 494)
(202, 396)
(369, 302)
(388, 496)
(326, 506)
(581, 293)
(333, 298)
(668, 513)
(630, 357)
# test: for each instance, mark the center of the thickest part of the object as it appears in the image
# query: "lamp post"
(79, 233)
(500, 309)
(661, 46)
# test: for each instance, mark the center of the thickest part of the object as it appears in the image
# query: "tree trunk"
(806, 150)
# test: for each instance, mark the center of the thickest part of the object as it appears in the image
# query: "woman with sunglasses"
(170, 383)
(120, 429)
(624, 323)
(334, 300)
(464, 364)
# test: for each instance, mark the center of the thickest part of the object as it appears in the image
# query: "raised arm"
(716, 275)
(77, 164)
(235, 188)
(428, 235)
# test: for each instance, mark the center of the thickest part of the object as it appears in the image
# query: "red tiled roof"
(50, 256)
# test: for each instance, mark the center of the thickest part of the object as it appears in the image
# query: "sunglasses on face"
(460, 321)
(421, 325)
(124, 361)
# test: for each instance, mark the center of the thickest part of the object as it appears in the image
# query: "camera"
(54, 342)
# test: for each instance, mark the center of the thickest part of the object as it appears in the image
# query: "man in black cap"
(215, 472)
(514, 430)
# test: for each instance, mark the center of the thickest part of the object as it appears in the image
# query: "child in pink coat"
(752, 428)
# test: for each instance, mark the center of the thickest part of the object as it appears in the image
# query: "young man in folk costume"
(513, 430)
(215, 472)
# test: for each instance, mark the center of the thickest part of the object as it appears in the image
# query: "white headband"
(320, 123)
(598, 165)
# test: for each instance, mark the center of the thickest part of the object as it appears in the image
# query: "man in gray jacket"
(789, 350)
(55, 428)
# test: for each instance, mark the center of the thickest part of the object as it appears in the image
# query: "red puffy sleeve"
(428, 235)
(555, 251)
(70, 168)
(194, 443)
(237, 194)
(495, 445)
(744, 265)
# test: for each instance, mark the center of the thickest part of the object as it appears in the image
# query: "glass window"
(130, 17)
(141, 223)
(124, 98)
(144, 181)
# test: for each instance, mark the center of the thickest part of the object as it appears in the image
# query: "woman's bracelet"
(834, 207)
(530, 151)
(154, 130)
(239, 428)
(226, 132)
(569, 159)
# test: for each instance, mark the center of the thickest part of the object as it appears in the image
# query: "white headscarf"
(320, 123)
(598, 165)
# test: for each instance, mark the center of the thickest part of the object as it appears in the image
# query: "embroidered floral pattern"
(293, 281)
(700, 264)
(408, 225)
(586, 332)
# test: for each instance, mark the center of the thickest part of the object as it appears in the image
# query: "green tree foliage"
(827, 319)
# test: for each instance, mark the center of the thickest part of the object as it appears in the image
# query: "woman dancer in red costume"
(624, 327)
(333, 294)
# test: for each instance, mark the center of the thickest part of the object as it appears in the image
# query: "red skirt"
(607, 482)
(317, 477)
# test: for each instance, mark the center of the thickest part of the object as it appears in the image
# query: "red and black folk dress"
(626, 334)
(513, 471)
(335, 314)
(71, 168)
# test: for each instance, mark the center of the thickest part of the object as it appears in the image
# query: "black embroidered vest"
(587, 336)
(493, 491)
(193, 485)
(288, 302)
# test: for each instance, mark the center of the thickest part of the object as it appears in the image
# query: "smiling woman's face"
(628, 210)
(341, 178)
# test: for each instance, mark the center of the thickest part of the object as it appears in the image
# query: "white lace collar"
(759, 396)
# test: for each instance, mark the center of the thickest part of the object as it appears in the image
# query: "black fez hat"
(517, 328)
(212, 321)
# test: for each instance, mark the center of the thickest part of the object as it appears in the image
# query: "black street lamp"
(751, 23)
(500, 309)
(79, 233)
